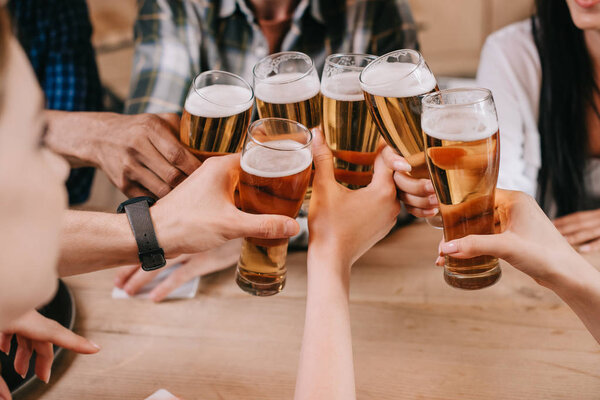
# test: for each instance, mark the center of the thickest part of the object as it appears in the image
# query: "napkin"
(162, 394)
(186, 291)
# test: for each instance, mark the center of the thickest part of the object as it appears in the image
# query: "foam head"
(218, 101)
(459, 125)
(398, 79)
(289, 87)
(272, 162)
(343, 87)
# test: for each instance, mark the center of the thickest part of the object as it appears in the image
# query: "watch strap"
(150, 253)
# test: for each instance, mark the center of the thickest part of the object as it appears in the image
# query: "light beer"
(463, 155)
(291, 95)
(393, 92)
(215, 119)
(349, 129)
(273, 180)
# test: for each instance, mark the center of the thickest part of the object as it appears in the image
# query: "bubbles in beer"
(218, 101)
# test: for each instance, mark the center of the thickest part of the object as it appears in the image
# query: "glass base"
(473, 281)
(259, 284)
(435, 221)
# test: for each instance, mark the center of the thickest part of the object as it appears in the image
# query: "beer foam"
(230, 99)
(455, 125)
(269, 163)
(343, 87)
(397, 80)
(274, 89)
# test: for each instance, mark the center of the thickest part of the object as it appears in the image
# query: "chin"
(585, 18)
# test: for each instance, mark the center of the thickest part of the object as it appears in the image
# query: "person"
(177, 40)
(326, 368)
(40, 240)
(544, 73)
(531, 243)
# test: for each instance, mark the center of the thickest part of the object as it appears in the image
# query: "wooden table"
(414, 337)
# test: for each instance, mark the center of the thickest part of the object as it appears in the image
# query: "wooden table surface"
(414, 337)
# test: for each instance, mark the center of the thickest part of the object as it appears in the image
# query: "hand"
(581, 229)
(37, 333)
(200, 213)
(349, 222)
(140, 153)
(132, 278)
(528, 240)
(417, 194)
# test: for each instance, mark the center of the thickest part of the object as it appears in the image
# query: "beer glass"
(462, 150)
(216, 114)
(394, 85)
(347, 124)
(275, 171)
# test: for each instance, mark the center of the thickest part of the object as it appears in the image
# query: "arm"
(326, 369)
(198, 215)
(393, 28)
(531, 243)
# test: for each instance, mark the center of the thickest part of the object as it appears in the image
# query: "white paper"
(162, 394)
(185, 291)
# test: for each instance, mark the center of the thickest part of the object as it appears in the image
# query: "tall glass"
(394, 85)
(216, 114)
(276, 167)
(462, 150)
(349, 129)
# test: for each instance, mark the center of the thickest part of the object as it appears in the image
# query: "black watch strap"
(150, 253)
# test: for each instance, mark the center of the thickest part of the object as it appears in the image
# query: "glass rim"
(281, 53)
(214, 72)
(420, 61)
(426, 101)
(290, 121)
(328, 61)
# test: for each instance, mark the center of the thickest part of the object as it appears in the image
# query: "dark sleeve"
(393, 27)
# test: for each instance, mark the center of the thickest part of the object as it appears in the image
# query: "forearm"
(70, 134)
(326, 368)
(579, 287)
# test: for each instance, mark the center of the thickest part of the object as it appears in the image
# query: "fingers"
(416, 187)
(265, 226)
(24, 351)
(149, 180)
(44, 355)
(590, 247)
(476, 245)
(394, 161)
(382, 175)
(428, 203)
(222, 172)
(5, 339)
(135, 190)
(583, 236)
(322, 158)
(420, 212)
(155, 162)
(138, 280)
(173, 151)
(172, 120)
(44, 329)
(573, 223)
(4, 391)
(124, 273)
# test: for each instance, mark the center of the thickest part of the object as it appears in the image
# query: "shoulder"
(514, 42)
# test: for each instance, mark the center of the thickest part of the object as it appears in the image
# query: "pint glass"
(216, 114)
(347, 124)
(275, 171)
(462, 151)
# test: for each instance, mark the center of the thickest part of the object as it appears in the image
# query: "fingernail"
(48, 377)
(291, 227)
(433, 200)
(23, 375)
(439, 262)
(118, 282)
(429, 187)
(449, 248)
(95, 345)
(586, 248)
(401, 165)
(432, 212)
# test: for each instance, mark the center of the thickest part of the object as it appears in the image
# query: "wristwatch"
(150, 253)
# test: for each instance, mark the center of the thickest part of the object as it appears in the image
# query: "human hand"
(349, 222)
(140, 153)
(200, 213)
(37, 333)
(416, 191)
(581, 229)
(132, 278)
(528, 240)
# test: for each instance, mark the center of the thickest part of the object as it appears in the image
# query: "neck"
(273, 9)
(592, 41)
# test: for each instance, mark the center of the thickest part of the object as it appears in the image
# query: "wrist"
(325, 260)
(69, 135)
(168, 231)
(570, 275)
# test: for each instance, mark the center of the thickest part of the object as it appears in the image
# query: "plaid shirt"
(178, 39)
(56, 35)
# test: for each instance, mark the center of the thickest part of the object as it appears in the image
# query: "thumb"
(475, 245)
(267, 226)
(322, 157)
(382, 175)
